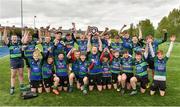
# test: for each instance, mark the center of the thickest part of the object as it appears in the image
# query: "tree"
(171, 23)
(113, 32)
(132, 30)
(146, 27)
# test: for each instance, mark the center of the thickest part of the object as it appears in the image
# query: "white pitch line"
(4, 56)
(175, 56)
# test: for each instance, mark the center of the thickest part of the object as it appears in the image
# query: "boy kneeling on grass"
(50, 79)
(106, 59)
(141, 74)
(84, 67)
(35, 72)
(159, 80)
(73, 57)
(127, 71)
(116, 70)
(62, 72)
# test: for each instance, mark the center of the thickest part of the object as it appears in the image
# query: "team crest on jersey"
(61, 65)
(139, 68)
(161, 67)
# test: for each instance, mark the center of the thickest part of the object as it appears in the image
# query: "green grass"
(107, 97)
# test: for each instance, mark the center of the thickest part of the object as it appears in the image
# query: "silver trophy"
(93, 30)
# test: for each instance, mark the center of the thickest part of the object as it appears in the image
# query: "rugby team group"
(91, 60)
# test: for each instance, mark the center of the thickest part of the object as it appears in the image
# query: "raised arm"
(146, 51)
(110, 55)
(91, 65)
(100, 43)
(89, 43)
(74, 32)
(105, 31)
(74, 28)
(40, 35)
(87, 31)
(69, 53)
(151, 49)
(5, 38)
(172, 38)
(25, 37)
(109, 43)
(102, 55)
(45, 56)
(164, 36)
(120, 31)
(140, 32)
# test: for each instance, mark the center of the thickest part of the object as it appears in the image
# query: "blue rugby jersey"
(61, 67)
(82, 45)
(46, 46)
(97, 64)
(106, 69)
(83, 68)
(127, 64)
(15, 50)
(117, 46)
(127, 44)
(115, 65)
(141, 68)
(155, 45)
(160, 68)
(69, 44)
(95, 42)
(137, 48)
(47, 70)
(36, 71)
(104, 43)
(28, 51)
(75, 66)
(58, 49)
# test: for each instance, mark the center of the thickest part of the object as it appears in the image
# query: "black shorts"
(106, 80)
(129, 76)
(48, 82)
(143, 81)
(76, 75)
(16, 63)
(36, 83)
(150, 64)
(95, 79)
(158, 85)
(115, 78)
(81, 80)
(64, 81)
(27, 62)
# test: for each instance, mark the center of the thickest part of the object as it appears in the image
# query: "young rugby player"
(83, 72)
(127, 71)
(106, 58)
(155, 44)
(95, 74)
(73, 56)
(159, 80)
(50, 79)
(62, 72)
(117, 45)
(16, 60)
(29, 45)
(116, 70)
(141, 74)
(36, 72)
